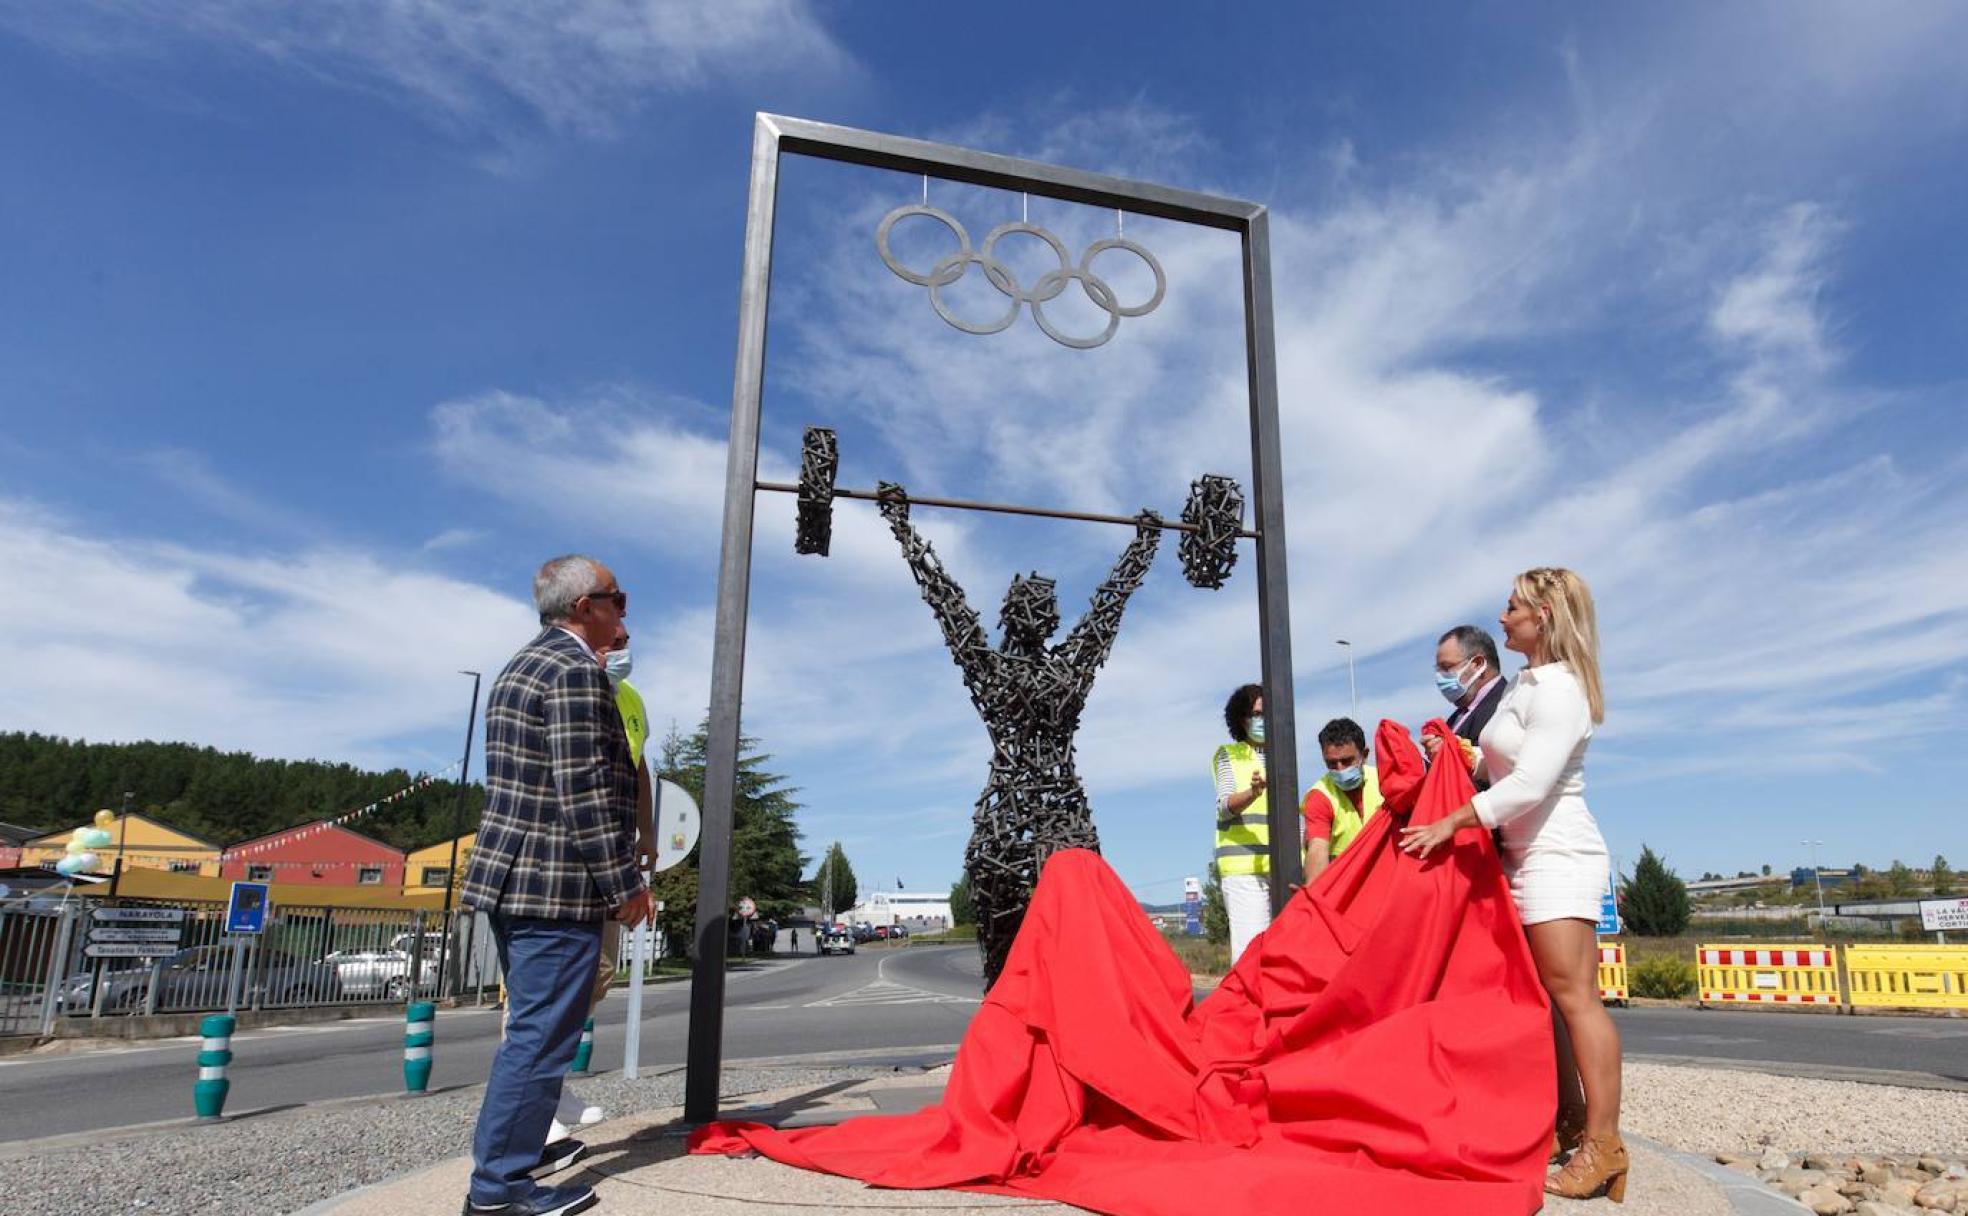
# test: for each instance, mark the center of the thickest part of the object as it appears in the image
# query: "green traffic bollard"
(214, 1054)
(419, 1034)
(585, 1052)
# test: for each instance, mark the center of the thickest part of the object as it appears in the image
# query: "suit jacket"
(1472, 724)
(558, 837)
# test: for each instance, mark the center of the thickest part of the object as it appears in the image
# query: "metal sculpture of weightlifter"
(1029, 695)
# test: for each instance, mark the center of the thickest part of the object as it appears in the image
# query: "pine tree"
(963, 910)
(1216, 913)
(766, 863)
(1942, 877)
(833, 884)
(1654, 903)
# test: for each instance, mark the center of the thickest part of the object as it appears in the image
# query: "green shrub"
(1661, 977)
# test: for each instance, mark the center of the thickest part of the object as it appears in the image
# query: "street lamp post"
(1817, 876)
(457, 830)
(1352, 687)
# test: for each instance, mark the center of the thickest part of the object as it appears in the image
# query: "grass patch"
(960, 933)
(1199, 954)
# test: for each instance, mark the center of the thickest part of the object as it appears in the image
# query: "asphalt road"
(873, 1004)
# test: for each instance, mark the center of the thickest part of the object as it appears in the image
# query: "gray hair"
(1474, 640)
(560, 582)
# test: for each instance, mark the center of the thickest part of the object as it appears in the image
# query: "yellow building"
(146, 844)
(427, 869)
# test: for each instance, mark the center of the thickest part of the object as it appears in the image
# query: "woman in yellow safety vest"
(1243, 831)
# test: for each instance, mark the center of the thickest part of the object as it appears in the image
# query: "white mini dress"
(1534, 757)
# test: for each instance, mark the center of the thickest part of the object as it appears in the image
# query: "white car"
(837, 941)
(373, 973)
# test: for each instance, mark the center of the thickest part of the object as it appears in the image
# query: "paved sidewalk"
(638, 1165)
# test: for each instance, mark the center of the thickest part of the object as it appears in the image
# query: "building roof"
(60, 838)
(13, 833)
(300, 828)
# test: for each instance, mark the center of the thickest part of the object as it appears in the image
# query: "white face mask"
(620, 663)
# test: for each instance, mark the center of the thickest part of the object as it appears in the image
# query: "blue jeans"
(550, 969)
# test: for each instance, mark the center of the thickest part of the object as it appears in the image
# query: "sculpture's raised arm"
(1087, 647)
(963, 633)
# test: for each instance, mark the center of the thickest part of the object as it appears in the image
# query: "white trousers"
(1247, 897)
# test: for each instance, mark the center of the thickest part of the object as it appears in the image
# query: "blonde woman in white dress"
(1533, 752)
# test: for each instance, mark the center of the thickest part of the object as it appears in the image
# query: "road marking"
(887, 992)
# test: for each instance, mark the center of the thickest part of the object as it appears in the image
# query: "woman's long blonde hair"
(1571, 630)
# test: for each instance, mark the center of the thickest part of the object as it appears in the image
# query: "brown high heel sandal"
(1568, 1135)
(1599, 1167)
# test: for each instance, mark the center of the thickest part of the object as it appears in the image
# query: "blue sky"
(321, 326)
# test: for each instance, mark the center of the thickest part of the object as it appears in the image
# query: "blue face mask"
(1348, 778)
(620, 664)
(1256, 728)
(1449, 683)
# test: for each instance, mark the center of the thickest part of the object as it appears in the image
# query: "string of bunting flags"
(289, 835)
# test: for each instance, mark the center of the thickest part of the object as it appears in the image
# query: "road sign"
(677, 824)
(247, 911)
(128, 949)
(1940, 915)
(122, 934)
(1609, 915)
(173, 916)
(1192, 907)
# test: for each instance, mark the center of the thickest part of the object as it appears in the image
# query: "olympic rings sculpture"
(1049, 286)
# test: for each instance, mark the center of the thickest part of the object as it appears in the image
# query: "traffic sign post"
(1609, 916)
(246, 914)
(1938, 916)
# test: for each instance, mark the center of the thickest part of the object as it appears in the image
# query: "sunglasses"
(618, 597)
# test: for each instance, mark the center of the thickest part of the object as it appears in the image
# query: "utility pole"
(1352, 687)
(122, 834)
(457, 830)
(1817, 876)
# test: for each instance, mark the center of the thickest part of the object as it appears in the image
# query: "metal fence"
(68, 959)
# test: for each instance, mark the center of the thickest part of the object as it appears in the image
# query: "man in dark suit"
(1469, 677)
(555, 858)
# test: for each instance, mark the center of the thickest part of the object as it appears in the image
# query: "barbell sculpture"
(1028, 691)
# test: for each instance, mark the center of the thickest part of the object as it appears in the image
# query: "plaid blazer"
(558, 837)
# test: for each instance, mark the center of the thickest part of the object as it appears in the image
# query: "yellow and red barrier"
(1612, 971)
(1768, 975)
(1908, 976)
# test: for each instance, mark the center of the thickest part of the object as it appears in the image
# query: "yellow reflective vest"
(1350, 811)
(1243, 845)
(635, 719)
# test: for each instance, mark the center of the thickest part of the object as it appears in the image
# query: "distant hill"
(50, 783)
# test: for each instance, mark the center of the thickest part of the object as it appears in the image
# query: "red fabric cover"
(1384, 1047)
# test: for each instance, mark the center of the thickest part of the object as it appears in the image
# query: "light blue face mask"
(620, 664)
(1449, 683)
(1349, 778)
(1256, 728)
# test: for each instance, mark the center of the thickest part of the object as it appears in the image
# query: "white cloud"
(583, 66)
(319, 653)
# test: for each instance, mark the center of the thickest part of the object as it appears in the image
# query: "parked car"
(197, 979)
(895, 931)
(837, 941)
(864, 933)
(371, 973)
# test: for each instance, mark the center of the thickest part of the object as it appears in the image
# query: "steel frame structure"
(775, 136)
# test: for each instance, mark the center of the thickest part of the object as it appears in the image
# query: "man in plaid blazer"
(555, 857)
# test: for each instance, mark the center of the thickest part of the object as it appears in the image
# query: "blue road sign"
(247, 911)
(1609, 916)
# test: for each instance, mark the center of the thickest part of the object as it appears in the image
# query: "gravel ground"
(283, 1162)
(1715, 1110)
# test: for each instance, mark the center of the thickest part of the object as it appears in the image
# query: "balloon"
(105, 819)
(96, 838)
(89, 861)
(75, 846)
(68, 866)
